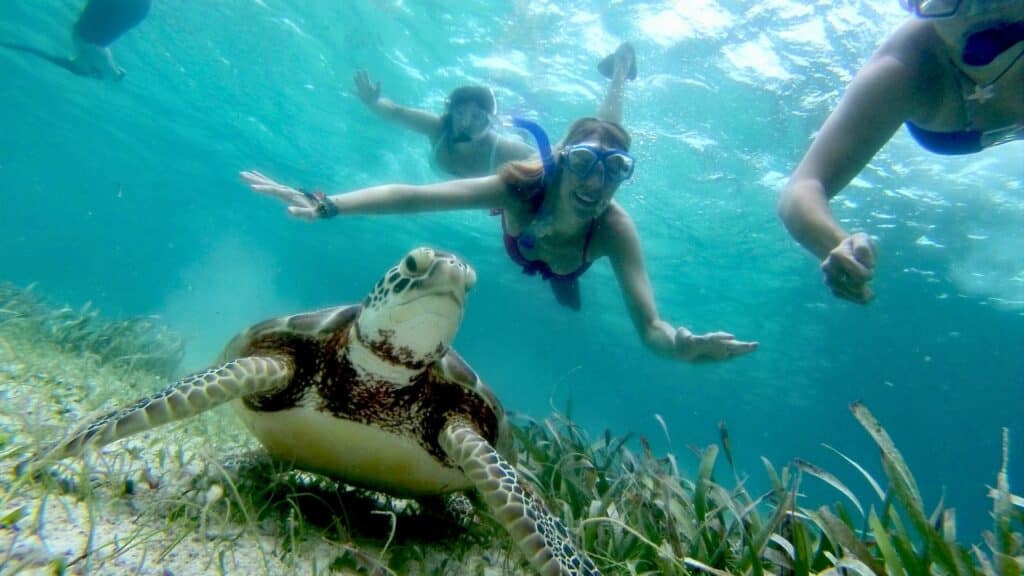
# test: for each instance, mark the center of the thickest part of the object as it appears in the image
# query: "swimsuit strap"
(587, 239)
(965, 97)
(432, 159)
(494, 154)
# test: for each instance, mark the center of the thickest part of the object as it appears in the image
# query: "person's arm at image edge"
(874, 106)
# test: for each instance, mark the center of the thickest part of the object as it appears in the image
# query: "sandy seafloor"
(157, 503)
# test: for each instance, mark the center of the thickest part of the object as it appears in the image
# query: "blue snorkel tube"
(543, 144)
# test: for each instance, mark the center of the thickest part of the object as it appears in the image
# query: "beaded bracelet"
(324, 207)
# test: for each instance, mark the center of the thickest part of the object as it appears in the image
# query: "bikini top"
(966, 141)
(533, 267)
(565, 287)
(103, 21)
(948, 143)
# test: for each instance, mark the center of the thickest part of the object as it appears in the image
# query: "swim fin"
(607, 65)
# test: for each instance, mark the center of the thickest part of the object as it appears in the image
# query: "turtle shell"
(358, 426)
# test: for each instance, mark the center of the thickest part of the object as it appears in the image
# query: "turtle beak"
(451, 276)
(460, 277)
(464, 284)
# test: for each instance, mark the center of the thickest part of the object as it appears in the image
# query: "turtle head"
(414, 311)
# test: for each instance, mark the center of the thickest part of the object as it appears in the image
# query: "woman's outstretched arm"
(464, 194)
(622, 245)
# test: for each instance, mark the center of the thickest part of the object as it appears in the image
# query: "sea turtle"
(370, 394)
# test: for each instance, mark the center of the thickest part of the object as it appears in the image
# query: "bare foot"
(624, 57)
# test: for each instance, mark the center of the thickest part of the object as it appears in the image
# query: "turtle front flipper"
(547, 544)
(183, 399)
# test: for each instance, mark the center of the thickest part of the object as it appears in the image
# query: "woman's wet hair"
(609, 134)
(482, 96)
(526, 179)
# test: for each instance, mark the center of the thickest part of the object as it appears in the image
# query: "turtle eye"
(418, 262)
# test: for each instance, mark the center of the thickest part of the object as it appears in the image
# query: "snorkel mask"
(473, 108)
(949, 8)
(984, 46)
(473, 121)
(617, 165)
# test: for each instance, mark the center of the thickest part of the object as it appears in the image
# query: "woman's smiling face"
(592, 173)
(593, 161)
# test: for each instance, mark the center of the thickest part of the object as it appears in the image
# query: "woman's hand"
(849, 267)
(302, 204)
(712, 346)
(368, 92)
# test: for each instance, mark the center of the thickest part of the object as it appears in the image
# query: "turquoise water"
(127, 196)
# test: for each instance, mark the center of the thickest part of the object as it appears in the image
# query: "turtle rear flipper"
(183, 399)
(547, 544)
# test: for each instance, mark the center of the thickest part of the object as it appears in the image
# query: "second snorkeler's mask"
(474, 122)
(474, 108)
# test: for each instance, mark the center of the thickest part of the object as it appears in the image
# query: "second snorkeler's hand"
(368, 92)
(849, 267)
(712, 346)
(301, 204)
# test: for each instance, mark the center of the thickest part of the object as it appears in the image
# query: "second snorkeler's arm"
(512, 150)
(468, 193)
(411, 118)
(621, 243)
(879, 99)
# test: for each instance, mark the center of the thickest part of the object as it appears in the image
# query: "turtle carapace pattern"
(373, 395)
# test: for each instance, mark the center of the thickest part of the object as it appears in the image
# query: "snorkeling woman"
(953, 74)
(558, 218)
(557, 215)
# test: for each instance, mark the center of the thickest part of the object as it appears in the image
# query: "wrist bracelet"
(324, 207)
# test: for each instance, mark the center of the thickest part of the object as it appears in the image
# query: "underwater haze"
(127, 195)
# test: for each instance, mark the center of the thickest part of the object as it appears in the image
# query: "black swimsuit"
(103, 21)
